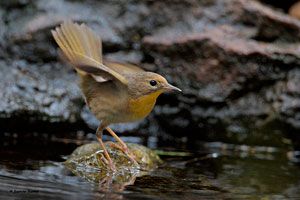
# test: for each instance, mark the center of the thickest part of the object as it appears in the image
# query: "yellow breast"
(142, 106)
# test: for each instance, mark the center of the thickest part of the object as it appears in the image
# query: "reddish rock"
(295, 10)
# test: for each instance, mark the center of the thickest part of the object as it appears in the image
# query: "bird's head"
(146, 83)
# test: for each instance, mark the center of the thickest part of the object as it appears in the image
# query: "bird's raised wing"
(83, 49)
(123, 68)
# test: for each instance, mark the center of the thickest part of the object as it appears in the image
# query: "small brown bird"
(114, 92)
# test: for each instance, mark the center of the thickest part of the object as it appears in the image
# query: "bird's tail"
(79, 44)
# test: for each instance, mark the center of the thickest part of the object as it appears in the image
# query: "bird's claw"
(109, 163)
(126, 151)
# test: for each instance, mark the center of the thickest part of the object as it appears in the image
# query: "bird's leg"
(99, 134)
(123, 147)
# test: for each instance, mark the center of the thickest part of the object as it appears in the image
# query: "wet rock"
(40, 92)
(88, 161)
(236, 60)
(230, 70)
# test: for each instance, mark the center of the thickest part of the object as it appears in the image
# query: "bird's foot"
(106, 157)
(126, 151)
(110, 164)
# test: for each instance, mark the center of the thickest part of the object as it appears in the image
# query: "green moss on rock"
(88, 162)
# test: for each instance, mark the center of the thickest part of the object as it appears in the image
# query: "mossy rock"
(87, 161)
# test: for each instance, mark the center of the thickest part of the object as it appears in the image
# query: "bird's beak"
(169, 87)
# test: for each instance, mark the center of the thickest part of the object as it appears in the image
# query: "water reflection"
(109, 182)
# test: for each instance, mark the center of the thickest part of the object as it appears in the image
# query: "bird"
(115, 92)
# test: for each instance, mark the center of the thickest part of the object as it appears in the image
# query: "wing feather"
(123, 68)
(83, 48)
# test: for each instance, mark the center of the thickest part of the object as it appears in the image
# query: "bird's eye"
(153, 83)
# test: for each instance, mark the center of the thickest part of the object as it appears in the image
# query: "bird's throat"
(142, 106)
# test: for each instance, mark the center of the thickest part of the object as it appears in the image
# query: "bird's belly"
(106, 100)
(103, 109)
(136, 110)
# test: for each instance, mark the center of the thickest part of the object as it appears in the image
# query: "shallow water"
(32, 168)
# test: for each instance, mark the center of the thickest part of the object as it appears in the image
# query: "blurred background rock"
(237, 61)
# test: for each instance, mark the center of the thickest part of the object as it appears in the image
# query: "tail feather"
(80, 39)
(82, 47)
